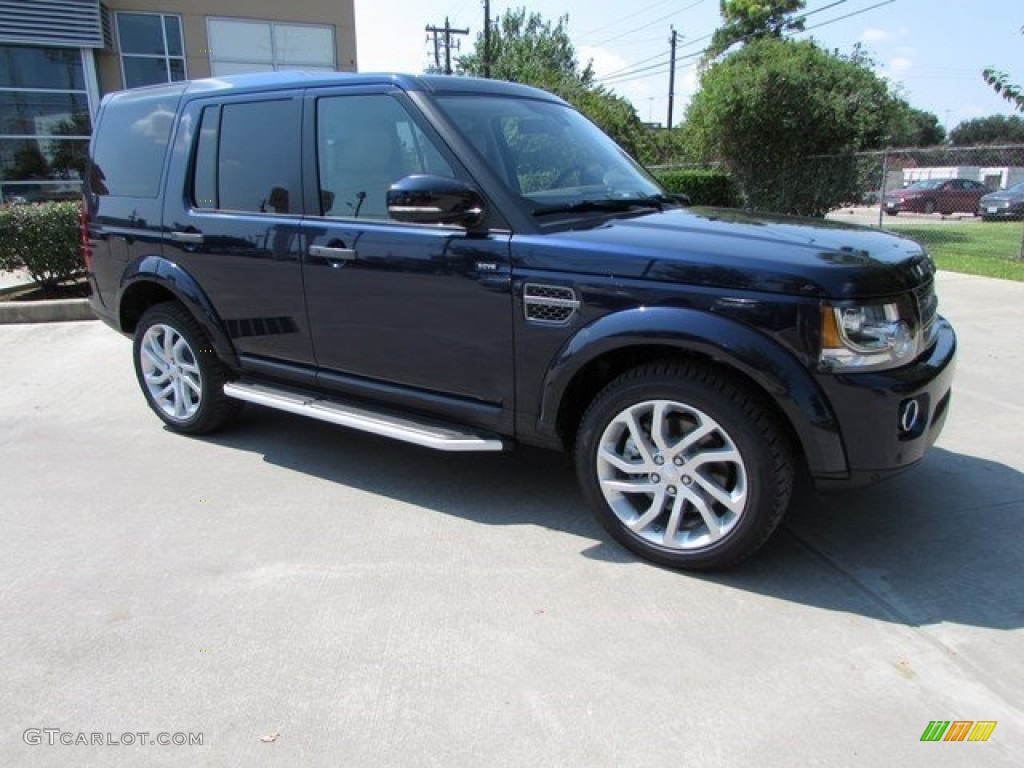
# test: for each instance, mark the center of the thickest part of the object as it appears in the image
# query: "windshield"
(547, 153)
(929, 184)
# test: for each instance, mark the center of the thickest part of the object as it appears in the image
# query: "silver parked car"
(1003, 204)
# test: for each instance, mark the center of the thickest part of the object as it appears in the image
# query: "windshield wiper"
(607, 205)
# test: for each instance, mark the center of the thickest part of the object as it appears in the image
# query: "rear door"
(232, 219)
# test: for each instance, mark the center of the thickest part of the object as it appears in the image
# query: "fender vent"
(549, 304)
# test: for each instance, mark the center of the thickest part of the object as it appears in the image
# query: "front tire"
(684, 465)
(180, 376)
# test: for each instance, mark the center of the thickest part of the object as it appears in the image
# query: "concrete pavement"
(302, 595)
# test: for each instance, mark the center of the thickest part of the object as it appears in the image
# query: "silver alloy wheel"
(672, 475)
(171, 372)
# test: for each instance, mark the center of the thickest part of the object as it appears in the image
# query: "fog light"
(910, 418)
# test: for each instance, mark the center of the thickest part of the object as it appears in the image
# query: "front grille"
(549, 304)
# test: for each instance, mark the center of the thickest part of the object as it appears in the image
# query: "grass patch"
(986, 248)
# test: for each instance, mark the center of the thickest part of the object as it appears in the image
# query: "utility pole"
(437, 49)
(672, 75)
(487, 38)
(448, 32)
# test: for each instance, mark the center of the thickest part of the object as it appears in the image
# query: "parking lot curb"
(47, 311)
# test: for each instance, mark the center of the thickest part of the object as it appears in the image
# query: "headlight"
(868, 336)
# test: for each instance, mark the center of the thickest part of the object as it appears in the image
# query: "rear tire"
(684, 466)
(180, 375)
(929, 206)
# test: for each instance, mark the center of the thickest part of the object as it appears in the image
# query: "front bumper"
(878, 436)
(1001, 211)
(907, 205)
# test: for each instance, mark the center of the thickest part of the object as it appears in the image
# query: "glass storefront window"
(30, 113)
(52, 68)
(44, 123)
(42, 159)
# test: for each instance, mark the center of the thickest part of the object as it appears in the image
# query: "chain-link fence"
(966, 205)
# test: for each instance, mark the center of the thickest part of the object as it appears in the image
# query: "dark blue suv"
(468, 265)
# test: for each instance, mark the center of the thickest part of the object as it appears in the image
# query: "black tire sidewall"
(746, 424)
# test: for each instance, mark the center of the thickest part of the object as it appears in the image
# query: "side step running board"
(436, 435)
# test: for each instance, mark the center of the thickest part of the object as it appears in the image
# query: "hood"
(1001, 195)
(733, 249)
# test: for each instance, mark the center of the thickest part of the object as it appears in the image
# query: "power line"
(847, 16)
(649, 24)
(621, 19)
(627, 74)
(627, 69)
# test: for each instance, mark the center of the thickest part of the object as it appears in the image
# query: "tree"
(526, 48)
(784, 116)
(70, 156)
(915, 128)
(1000, 82)
(753, 20)
(995, 129)
(29, 162)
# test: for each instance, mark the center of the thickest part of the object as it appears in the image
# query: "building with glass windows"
(58, 57)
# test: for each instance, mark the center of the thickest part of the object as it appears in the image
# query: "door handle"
(332, 254)
(194, 238)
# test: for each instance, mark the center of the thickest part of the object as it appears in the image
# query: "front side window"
(364, 145)
(152, 48)
(247, 158)
(547, 152)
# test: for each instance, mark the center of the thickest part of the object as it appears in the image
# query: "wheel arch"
(617, 343)
(152, 280)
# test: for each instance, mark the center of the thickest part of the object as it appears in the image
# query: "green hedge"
(42, 239)
(704, 187)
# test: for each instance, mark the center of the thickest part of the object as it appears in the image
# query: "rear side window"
(247, 158)
(130, 146)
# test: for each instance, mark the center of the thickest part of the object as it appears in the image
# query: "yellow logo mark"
(982, 730)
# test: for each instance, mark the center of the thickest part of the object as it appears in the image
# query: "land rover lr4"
(468, 265)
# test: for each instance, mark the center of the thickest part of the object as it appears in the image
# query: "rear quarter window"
(130, 146)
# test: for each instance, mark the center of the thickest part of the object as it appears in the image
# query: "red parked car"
(936, 195)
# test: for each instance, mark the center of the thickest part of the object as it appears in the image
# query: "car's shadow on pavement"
(938, 544)
(941, 543)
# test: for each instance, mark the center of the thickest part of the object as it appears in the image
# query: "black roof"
(263, 81)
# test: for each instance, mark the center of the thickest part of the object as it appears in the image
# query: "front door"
(422, 314)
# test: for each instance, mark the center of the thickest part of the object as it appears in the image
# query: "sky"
(933, 51)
